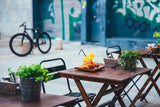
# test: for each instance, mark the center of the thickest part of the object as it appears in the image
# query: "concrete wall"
(12, 14)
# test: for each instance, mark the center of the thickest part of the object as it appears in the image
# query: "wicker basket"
(110, 62)
(9, 88)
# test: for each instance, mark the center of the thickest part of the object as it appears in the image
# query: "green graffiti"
(51, 12)
(144, 9)
(72, 20)
(63, 24)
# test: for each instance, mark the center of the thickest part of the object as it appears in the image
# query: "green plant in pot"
(128, 59)
(30, 80)
(157, 35)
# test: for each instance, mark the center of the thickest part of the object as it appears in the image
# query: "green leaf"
(33, 71)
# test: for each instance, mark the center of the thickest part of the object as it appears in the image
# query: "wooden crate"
(110, 62)
(9, 88)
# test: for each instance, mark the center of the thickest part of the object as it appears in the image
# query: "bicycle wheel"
(20, 44)
(44, 43)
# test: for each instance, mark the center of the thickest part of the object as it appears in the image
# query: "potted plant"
(30, 80)
(128, 59)
(157, 35)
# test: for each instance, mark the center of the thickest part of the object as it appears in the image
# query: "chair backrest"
(113, 49)
(54, 65)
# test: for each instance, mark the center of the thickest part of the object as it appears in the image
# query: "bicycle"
(21, 44)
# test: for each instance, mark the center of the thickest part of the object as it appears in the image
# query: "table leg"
(121, 90)
(143, 64)
(150, 87)
(156, 60)
(157, 89)
(155, 85)
(100, 94)
(153, 73)
(150, 78)
(134, 84)
(118, 96)
(83, 92)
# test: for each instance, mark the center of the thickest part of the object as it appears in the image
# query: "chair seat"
(78, 94)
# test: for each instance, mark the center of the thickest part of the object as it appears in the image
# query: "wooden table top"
(148, 53)
(108, 74)
(46, 100)
(151, 55)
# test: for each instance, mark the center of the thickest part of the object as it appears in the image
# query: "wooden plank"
(115, 75)
(47, 100)
(100, 94)
(83, 92)
(142, 62)
(118, 95)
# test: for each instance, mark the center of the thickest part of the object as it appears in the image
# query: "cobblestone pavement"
(70, 55)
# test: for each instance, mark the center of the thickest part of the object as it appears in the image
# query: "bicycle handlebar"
(23, 24)
(33, 29)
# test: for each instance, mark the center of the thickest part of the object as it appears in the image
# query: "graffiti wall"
(56, 16)
(140, 18)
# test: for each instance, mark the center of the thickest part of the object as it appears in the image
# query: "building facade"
(128, 23)
(57, 17)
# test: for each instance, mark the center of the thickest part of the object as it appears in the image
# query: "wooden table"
(155, 57)
(47, 100)
(117, 78)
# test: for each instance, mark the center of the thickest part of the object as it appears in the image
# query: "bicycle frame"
(37, 31)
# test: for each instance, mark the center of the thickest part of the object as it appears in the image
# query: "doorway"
(95, 21)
